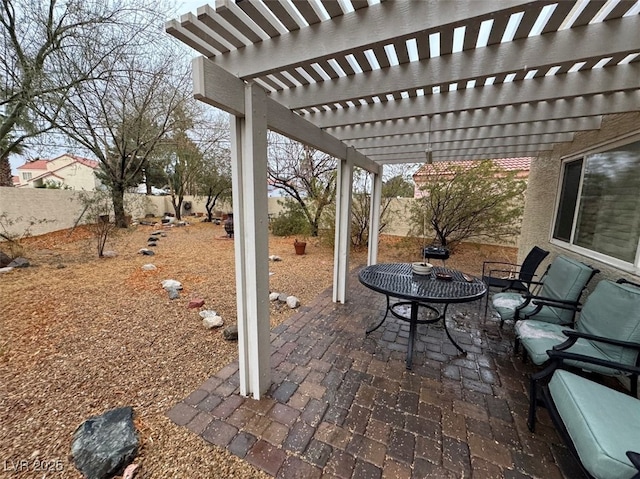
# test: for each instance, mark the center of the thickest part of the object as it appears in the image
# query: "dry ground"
(80, 335)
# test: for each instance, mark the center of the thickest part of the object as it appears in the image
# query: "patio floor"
(343, 404)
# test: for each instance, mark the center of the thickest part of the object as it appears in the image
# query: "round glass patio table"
(397, 280)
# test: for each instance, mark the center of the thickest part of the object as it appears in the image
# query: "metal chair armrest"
(575, 335)
(558, 357)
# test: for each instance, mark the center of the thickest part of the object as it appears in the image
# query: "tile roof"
(85, 161)
(444, 167)
(41, 164)
(34, 165)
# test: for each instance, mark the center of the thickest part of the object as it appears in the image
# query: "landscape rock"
(230, 333)
(283, 297)
(207, 313)
(109, 254)
(146, 252)
(6, 269)
(149, 267)
(274, 296)
(274, 257)
(152, 238)
(19, 263)
(157, 232)
(171, 284)
(4, 259)
(211, 322)
(104, 445)
(293, 302)
(196, 303)
(130, 471)
(152, 244)
(173, 293)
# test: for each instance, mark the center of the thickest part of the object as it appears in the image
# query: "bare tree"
(394, 187)
(49, 48)
(462, 202)
(124, 116)
(306, 175)
(215, 181)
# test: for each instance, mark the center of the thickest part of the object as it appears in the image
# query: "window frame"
(616, 263)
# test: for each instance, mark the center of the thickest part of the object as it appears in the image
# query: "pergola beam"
(546, 89)
(453, 123)
(508, 131)
(217, 87)
(469, 144)
(566, 46)
(390, 19)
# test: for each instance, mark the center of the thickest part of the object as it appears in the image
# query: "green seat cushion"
(537, 337)
(613, 311)
(603, 424)
(506, 303)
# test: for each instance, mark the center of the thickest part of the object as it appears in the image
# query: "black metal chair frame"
(526, 271)
(539, 395)
(540, 301)
(573, 336)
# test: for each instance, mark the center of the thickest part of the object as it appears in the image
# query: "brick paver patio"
(343, 404)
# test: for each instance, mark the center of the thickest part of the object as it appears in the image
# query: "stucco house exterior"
(66, 171)
(582, 198)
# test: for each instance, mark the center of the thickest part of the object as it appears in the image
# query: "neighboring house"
(65, 171)
(520, 165)
(15, 180)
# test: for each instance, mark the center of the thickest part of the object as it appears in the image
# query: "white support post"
(249, 177)
(374, 217)
(343, 229)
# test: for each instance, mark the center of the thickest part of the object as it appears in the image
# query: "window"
(599, 204)
(26, 175)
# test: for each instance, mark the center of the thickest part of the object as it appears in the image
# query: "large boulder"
(104, 445)
(4, 259)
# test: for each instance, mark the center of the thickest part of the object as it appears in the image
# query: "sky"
(15, 161)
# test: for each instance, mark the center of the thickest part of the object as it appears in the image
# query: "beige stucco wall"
(543, 186)
(44, 210)
(41, 210)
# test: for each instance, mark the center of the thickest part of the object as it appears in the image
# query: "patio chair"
(599, 425)
(557, 299)
(512, 276)
(608, 329)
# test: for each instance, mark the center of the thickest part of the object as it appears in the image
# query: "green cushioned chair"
(558, 296)
(608, 329)
(600, 426)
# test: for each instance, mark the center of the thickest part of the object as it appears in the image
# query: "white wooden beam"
(471, 154)
(249, 181)
(545, 89)
(217, 87)
(374, 218)
(473, 143)
(453, 123)
(353, 31)
(566, 46)
(343, 228)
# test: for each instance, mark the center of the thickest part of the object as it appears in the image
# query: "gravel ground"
(81, 334)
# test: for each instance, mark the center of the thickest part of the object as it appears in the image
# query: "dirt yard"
(81, 334)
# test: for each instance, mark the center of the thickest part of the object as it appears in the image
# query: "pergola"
(397, 81)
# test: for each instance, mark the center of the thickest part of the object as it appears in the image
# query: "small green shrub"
(290, 222)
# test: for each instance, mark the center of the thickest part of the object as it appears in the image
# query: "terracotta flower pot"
(300, 247)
